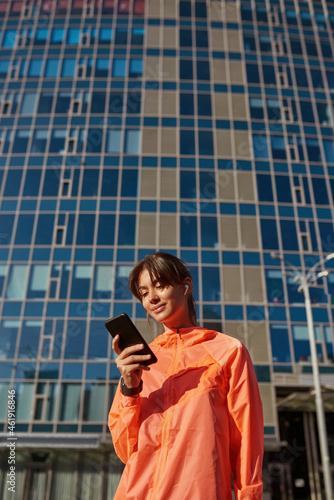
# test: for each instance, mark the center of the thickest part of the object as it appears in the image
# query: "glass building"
(202, 128)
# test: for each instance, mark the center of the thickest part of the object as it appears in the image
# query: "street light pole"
(304, 281)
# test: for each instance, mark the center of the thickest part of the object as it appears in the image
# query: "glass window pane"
(57, 36)
(269, 234)
(274, 282)
(85, 233)
(209, 232)
(94, 403)
(9, 39)
(8, 335)
(17, 281)
(44, 230)
(289, 235)
(119, 68)
(39, 141)
(109, 182)
(73, 36)
(39, 279)
(126, 229)
(29, 342)
(132, 141)
(106, 230)
(211, 284)
(102, 68)
(21, 140)
(35, 68)
(301, 343)
(114, 141)
(187, 142)
(75, 339)
(68, 68)
(136, 68)
(103, 281)
(69, 402)
(260, 146)
(28, 103)
(280, 344)
(188, 231)
(24, 393)
(24, 229)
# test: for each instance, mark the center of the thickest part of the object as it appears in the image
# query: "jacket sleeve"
(245, 426)
(123, 424)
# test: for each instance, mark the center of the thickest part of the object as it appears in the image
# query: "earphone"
(186, 290)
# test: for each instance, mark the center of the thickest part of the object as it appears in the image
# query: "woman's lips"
(159, 308)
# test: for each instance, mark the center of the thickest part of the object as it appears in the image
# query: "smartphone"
(128, 336)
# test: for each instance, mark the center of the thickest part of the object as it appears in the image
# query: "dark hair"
(166, 269)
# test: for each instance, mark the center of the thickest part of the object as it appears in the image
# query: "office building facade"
(202, 128)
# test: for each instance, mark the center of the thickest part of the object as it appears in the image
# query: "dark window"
(94, 140)
(249, 43)
(278, 147)
(188, 184)
(209, 233)
(296, 47)
(129, 183)
(283, 189)
(109, 183)
(313, 150)
(264, 187)
(188, 231)
(301, 77)
(21, 140)
(187, 142)
(75, 337)
(185, 9)
(317, 79)
(116, 102)
(326, 236)
(185, 38)
(205, 143)
(211, 284)
(98, 102)
(320, 191)
(201, 38)
(269, 234)
(121, 36)
(86, 227)
(51, 182)
(311, 48)
(326, 49)
(45, 103)
(6, 224)
(274, 282)
(90, 182)
(269, 74)
(203, 70)
(57, 142)
(24, 229)
(289, 235)
(13, 183)
(273, 109)
(256, 108)
(200, 9)
(186, 104)
(186, 69)
(246, 13)
(204, 105)
(30, 339)
(252, 73)
(133, 102)
(106, 230)
(261, 14)
(44, 231)
(63, 102)
(306, 190)
(39, 141)
(126, 230)
(280, 344)
(207, 185)
(307, 111)
(98, 341)
(137, 37)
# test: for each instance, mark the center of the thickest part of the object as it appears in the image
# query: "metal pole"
(325, 460)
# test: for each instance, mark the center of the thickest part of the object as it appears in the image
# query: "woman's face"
(165, 303)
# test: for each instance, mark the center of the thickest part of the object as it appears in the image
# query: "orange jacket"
(198, 418)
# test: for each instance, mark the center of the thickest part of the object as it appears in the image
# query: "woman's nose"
(153, 296)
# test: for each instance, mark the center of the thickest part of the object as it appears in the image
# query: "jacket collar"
(189, 336)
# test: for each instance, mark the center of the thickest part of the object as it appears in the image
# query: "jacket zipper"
(166, 425)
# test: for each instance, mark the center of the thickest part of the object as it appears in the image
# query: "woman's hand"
(128, 363)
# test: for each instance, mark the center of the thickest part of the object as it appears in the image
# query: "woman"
(185, 424)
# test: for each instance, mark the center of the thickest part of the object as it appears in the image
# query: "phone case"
(129, 335)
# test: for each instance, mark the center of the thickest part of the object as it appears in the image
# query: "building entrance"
(295, 471)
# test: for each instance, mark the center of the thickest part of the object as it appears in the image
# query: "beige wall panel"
(249, 233)
(253, 284)
(229, 232)
(233, 41)
(245, 183)
(150, 141)
(148, 183)
(236, 72)
(168, 230)
(221, 105)
(215, 10)
(168, 183)
(219, 70)
(226, 190)
(170, 7)
(217, 40)
(230, 12)
(258, 342)
(153, 36)
(169, 103)
(170, 37)
(169, 145)
(223, 141)
(235, 329)
(146, 229)
(154, 8)
(151, 102)
(242, 145)
(232, 284)
(153, 68)
(239, 107)
(268, 403)
(169, 68)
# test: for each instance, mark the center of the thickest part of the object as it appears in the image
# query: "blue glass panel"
(280, 344)
(126, 230)
(75, 339)
(209, 232)
(68, 68)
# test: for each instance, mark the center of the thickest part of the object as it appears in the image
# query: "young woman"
(183, 425)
